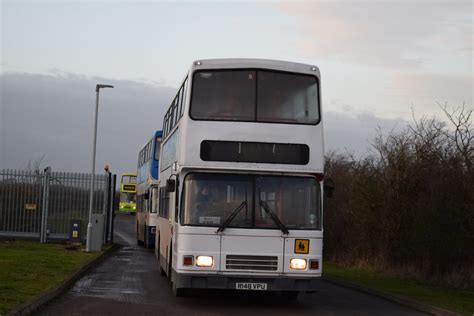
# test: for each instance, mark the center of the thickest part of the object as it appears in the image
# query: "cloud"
(382, 33)
(354, 133)
(425, 91)
(52, 115)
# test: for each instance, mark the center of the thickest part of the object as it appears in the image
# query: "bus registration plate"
(251, 286)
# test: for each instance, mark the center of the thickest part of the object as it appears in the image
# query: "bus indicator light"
(188, 261)
(314, 264)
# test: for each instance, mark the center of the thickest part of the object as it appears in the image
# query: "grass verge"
(29, 268)
(457, 300)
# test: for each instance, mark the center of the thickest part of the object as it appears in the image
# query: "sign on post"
(75, 234)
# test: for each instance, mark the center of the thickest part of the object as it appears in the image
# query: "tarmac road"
(129, 283)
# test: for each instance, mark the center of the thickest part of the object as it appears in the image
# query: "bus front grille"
(245, 262)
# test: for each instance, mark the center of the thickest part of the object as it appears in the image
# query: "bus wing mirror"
(329, 188)
(170, 185)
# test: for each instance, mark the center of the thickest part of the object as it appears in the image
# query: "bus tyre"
(158, 255)
(145, 237)
(139, 242)
(290, 295)
(178, 292)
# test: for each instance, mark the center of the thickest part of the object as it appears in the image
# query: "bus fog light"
(204, 261)
(298, 264)
(314, 264)
(188, 261)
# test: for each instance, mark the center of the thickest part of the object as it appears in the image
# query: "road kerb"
(422, 307)
(41, 299)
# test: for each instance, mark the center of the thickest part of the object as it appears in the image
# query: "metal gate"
(42, 204)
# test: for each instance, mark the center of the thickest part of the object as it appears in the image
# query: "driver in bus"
(202, 201)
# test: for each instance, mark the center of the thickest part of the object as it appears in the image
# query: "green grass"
(461, 301)
(28, 268)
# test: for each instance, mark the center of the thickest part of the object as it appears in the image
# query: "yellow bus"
(128, 193)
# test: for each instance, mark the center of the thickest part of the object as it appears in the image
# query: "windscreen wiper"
(232, 216)
(274, 217)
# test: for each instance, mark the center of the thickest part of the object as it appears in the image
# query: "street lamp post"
(91, 196)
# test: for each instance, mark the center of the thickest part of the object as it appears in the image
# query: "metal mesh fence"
(23, 206)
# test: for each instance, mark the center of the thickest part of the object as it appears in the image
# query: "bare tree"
(35, 166)
(463, 137)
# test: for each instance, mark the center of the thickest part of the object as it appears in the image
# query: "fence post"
(107, 209)
(44, 213)
(112, 208)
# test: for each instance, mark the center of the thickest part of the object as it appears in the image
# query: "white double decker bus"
(241, 178)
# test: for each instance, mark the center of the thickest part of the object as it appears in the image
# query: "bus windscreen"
(210, 199)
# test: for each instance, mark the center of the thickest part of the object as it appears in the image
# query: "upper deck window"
(255, 95)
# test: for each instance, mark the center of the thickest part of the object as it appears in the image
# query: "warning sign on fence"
(30, 207)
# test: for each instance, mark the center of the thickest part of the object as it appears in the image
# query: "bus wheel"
(178, 292)
(290, 295)
(139, 242)
(145, 237)
(162, 271)
(158, 255)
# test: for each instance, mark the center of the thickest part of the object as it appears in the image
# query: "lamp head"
(99, 86)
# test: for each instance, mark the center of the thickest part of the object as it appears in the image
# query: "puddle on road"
(125, 249)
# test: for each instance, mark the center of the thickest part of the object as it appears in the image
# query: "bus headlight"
(204, 261)
(298, 264)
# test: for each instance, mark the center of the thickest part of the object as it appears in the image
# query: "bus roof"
(255, 63)
(131, 174)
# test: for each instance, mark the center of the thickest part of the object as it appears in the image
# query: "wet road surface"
(128, 282)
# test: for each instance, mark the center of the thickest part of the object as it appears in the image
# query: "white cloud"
(385, 33)
(425, 91)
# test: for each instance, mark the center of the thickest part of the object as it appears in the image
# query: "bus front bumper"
(273, 283)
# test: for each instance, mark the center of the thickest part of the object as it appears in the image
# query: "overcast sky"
(378, 60)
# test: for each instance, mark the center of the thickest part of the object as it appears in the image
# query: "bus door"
(166, 211)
